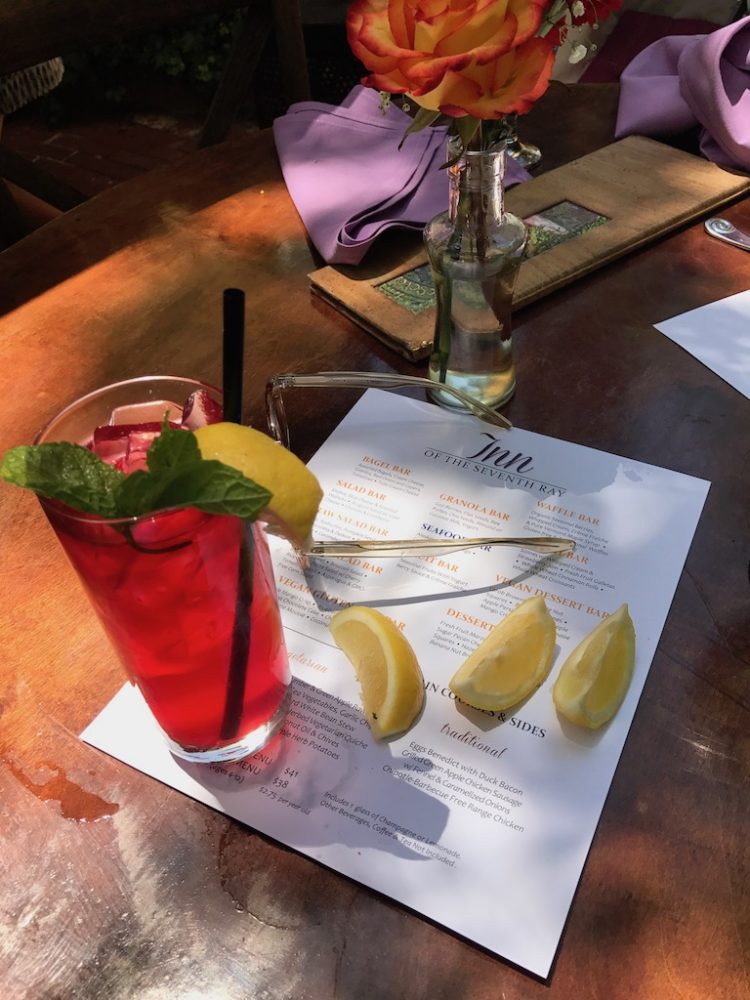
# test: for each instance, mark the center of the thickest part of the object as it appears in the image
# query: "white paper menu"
(718, 334)
(480, 821)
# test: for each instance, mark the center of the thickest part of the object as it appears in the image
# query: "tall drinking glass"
(187, 598)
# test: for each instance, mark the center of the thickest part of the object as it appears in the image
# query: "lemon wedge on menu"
(595, 677)
(511, 662)
(296, 491)
(391, 682)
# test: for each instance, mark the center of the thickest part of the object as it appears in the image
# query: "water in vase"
(475, 251)
(476, 303)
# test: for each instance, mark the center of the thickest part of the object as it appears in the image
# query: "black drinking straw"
(233, 353)
(232, 366)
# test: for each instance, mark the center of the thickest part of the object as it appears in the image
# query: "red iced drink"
(188, 598)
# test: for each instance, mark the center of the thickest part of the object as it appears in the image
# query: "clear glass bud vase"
(475, 251)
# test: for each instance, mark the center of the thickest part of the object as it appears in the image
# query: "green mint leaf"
(208, 485)
(66, 472)
(172, 448)
(177, 476)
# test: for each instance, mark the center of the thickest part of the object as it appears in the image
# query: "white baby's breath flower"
(577, 9)
(384, 100)
(577, 53)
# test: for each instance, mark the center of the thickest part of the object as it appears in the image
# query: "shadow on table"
(321, 783)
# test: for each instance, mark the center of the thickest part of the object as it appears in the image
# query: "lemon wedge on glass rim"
(390, 679)
(594, 679)
(296, 491)
(511, 662)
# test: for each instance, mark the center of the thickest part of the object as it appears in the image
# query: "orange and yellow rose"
(458, 57)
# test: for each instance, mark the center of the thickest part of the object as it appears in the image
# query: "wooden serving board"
(636, 190)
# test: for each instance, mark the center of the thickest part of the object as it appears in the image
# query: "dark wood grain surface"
(115, 887)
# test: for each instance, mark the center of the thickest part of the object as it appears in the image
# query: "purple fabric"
(680, 82)
(350, 181)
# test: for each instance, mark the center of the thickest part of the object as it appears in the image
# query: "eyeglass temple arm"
(290, 380)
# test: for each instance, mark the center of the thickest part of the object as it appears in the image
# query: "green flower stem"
(555, 14)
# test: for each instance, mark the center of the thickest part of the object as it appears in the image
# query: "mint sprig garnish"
(172, 449)
(177, 476)
(208, 485)
(66, 472)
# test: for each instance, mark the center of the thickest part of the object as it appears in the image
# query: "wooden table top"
(116, 887)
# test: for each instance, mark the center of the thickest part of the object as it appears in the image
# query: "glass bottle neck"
(476, 184)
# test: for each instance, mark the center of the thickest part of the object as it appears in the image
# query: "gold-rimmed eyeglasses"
(345, 548)
(275, 387)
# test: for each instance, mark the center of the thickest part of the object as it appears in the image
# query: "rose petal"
(425, 74)
(529, 16)
(375, 37)
(401, 22)
(512, 83)
(431, 34)
(488, 28)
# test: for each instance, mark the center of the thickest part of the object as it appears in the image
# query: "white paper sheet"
(717, 334)
(481, 822)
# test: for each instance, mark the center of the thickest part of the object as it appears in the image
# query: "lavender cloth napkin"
(680, 82)
(349, 180)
